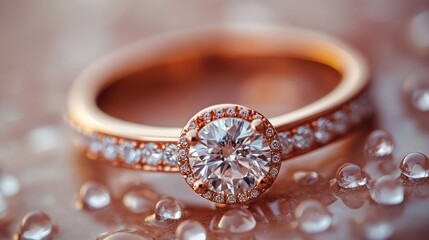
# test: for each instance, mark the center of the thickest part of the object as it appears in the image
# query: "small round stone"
(95, 144)
(273, 172)
(415, 165)
(151, 154)
(230, 111)
(387, 190)
(192, 125)
(340, 122)
(168, 209)
(244, 112)
(286, 141)
(379, 144)
(238, 220)
(184, 169)
(36, 225)
(351, 176)
(303, 138)
(276, 158)
(207, 195)
(230, 199)
(313, 217)
(243, 197)
(109, 148)
(254, 193)
(191, 230)
(219, 198)
(218, 112)
(190, 180)
(269, 132)
(170, 156)
(129, 153)
(93, 196)
(275, 144)
(207, 116)
(323, 130)
(183, 142)
(182, 153)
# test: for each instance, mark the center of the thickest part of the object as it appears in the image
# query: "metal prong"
(258, 125)
(192, 137)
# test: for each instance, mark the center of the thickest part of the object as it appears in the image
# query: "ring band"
(264, 142)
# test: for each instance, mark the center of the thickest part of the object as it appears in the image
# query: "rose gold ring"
(227, 153)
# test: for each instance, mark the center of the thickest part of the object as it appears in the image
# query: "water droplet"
(126, 233)
(415, 165)
(238, 220)
(306, 178)
(191, 230)
(350, 176)
(93, 195)
(387, 190)
(374, 228)
(416, 88)
(168, 208)
(9, 185)
(313, 217)
(379, 144)
(419, 32)
(140, 200)
(36, 226)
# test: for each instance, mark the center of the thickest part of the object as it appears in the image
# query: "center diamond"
(230, 156)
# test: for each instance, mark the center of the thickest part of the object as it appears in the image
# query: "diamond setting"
(231, 157)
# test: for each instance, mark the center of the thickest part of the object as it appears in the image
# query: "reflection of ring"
(227, 153)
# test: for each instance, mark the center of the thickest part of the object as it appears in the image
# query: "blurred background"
(44, 45)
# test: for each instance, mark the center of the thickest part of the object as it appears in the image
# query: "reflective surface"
(45, 44)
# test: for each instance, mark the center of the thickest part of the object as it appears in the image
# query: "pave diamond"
(129, 153)
(303, 138)
(110, 150)
(170, 157)
(230, 156)
(94, 144)
(323, 131)
(151, 154)
(286, 141)
(340, 122)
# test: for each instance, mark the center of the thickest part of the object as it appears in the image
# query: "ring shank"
(85, 115)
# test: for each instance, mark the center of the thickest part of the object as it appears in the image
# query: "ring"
(227, 153)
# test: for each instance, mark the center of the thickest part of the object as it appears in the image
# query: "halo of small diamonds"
(226, 136)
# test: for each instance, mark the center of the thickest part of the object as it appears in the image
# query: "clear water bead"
(125, 233)
(374, 228)
(387, 190)
(191, 230)
(305, 178)
(238, 220)
(140, 200)
(379, 144)
(36, 226)
(416, 89)
(351, 176)
(415, 165)
(93, 195)
(9, 185)
(168, 208)
(313, 217)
